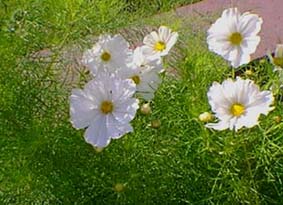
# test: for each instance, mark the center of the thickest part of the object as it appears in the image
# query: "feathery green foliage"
(43, 160)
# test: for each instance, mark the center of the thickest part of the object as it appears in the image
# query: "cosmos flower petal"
(116, 129)
(250, 44)
(124, 128)
(126, 111)
(151, 38)
(217, 96)
(149, 52)
(147, 95)
(249, 121)
(124, 90)
(119, 42)
(94, 87)
(120, 130)
(142, 61)
(172, 40)
(230, 14)
(222, 125)
(89, 59)
(164, 33)
(242, 59)
(250, 24)
(232, 19)
(96, 134)
(217, 30)
(245, 87)
(262, 101)
(80, 109)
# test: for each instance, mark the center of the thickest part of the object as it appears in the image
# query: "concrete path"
(270, 10)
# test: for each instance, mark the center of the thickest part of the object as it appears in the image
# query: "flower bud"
(119, 187)
(98, 149)
(146, 109)
(205, 117)
(155, 123)
(262, 61)
(248, 72)
(277, 119)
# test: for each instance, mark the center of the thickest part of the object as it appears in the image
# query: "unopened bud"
(248, 72)
(155, 123)
(277, 119)
(98, 149)
(205, 117)
(262, 61)
(119, 187)
(146, 109)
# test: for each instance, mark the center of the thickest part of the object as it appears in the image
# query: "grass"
(43, 160)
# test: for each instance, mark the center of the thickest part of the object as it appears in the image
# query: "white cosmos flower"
(105, 107)
(158, 44)
(109, 53)
(144, 73)
(234, 36)
(277, 59)
(238, 104)
(146, 79)
(142, 61)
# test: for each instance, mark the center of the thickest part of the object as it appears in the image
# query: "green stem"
(250, 171)
(233, 73)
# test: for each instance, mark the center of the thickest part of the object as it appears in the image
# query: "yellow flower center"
(237, 109)
(136, 79)
(278, 61)
(160, 46)
(106, 107)
(236, 38)
(105, 56)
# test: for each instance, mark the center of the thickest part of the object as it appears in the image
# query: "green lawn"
(44, 160)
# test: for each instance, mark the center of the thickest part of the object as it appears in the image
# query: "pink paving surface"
(270, 10)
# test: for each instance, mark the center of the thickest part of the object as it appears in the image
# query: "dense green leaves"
(43, 160)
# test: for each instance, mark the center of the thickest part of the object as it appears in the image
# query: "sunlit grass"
(43, 160)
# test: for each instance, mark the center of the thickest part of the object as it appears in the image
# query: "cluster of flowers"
(238, 103)
(108, 102)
